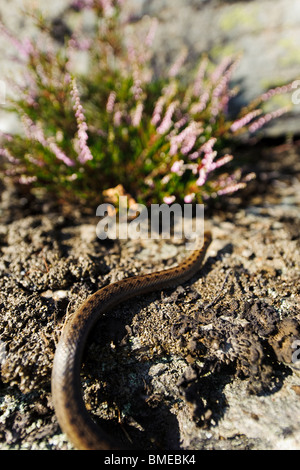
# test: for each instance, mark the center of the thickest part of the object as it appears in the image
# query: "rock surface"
(266, 33)
(206, 365)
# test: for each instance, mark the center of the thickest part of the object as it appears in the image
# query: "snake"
(72, 415)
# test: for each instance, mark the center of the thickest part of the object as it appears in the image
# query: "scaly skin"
(70, 409)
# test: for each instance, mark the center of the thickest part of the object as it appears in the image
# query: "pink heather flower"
(85, 153)
(224, 102)
(220, 69)
(156, 116)
(219, 99)
(111, 102)
(208, 145)
(27, 179)
(208, 159)
(224, 80)
(222, 161)
(6, 136)
(178, 64)
(168, 93)
(169, 199)
(208, 165)
(131, 52)
(170, 90)
(35, 161)
(80, 4)
(150, 183)
(35, 132)
(198, 84)
(220, 94)
(31, 100)
(176, 140)
(267, 118)
(186, 138)
(194, 155)
(6, 154)
(178, 167)
(231, 188)
(10, 172)
(239, 123)
(188, 143)
(189, 198)
(67, 78)
(107, 7)
(81, 44)
(29, 90)
(167, 120)
(202, 177)
(25, 48)
(60, 155)
(201, 105)
(137, 89)
(45, 79)
(249, 177)
(117, 118)
(151, 33)
(72, 177)
(135, 62)
(137, 116)
(165, 179)
(232, 183)
(276, 91)
(221, 86)
(181, 122)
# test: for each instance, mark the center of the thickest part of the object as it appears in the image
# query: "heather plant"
(161, 139)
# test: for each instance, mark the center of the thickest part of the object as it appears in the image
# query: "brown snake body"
(72, 415)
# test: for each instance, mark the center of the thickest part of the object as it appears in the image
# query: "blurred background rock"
(266, 32)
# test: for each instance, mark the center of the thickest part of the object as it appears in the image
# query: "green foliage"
(118, 125)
